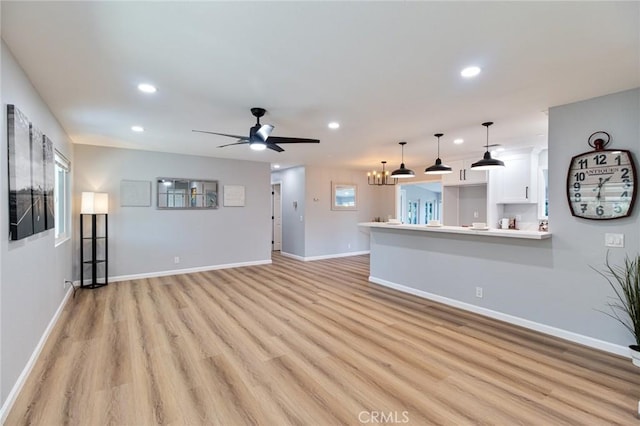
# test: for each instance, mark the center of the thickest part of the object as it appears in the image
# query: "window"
(62, 198)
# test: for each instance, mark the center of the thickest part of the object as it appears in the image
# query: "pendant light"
(402, 172)
(487, 163)
(438, 168)
(380, 178)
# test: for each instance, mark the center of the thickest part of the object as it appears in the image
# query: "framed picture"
(135, 193)
(20, 203)
(234, 195)
(344, 196)
(37, 180)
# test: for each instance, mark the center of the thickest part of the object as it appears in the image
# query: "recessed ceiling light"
(470, 72)
(334, 125)
(137, 129)
(458, 141)
(276, 166)
(147, 88)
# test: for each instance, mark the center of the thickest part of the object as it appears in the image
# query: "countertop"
(492, 232)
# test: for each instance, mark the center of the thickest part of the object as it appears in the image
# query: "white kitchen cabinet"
(463, 174)
(518, 181)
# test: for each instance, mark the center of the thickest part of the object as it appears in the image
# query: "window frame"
(62, 208)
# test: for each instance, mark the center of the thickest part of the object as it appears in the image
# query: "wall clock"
(601, 184)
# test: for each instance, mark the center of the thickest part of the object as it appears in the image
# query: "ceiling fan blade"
(265, 131)
(274, 147)
(222, 134)
(236, 143)
(280, 139)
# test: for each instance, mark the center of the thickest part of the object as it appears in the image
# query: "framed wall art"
(234, 196)
(37, 180)
(344, 196)
(20, 203)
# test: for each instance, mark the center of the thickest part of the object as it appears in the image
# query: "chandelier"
(380, 178)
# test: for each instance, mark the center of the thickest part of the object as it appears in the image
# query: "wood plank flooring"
(307, 343)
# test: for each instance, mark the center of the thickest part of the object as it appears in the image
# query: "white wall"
(33, 269)
(145, 240)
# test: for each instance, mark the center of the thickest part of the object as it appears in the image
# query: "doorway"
(276, 216)
(419, 202)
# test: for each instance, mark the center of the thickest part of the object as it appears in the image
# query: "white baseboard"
(17, 387)
(187, 270)
(532, 325)
(326, 256)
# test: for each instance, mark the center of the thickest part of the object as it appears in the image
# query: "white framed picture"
(233, 196)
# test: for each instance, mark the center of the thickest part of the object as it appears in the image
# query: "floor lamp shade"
(94, 203)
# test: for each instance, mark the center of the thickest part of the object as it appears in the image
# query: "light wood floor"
(310, 344)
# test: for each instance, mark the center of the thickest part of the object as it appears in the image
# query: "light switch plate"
(613, 240)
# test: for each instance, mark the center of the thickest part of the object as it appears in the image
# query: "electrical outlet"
(349, 245)
(613, 240)
(176, 260)
(479, 292)
(476, 215)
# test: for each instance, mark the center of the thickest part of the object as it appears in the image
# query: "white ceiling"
(387, 71)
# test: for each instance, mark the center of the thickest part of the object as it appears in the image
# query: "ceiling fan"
(260, 135)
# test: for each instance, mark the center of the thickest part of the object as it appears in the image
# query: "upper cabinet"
(517, 182)
(463, 174)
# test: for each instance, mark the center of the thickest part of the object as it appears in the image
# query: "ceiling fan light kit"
(487, 163)
(260, 137)
(402, 172)
(438, 168)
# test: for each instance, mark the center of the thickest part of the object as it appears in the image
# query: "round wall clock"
(601, 184)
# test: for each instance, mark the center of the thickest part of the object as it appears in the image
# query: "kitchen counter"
(502, 233)
(487, 272)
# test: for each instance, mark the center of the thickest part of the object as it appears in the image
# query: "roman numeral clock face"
(602, 184)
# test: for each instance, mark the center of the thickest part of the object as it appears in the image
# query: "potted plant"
(625, 282)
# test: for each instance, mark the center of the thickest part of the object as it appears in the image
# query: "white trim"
(17, 387)
(532, 325)
(293, 256)
(62, 240)
(186, 270)
(326, 256)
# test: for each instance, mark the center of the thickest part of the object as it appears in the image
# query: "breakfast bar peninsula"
(490, 271)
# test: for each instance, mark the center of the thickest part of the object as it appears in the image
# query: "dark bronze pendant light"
(402, 172)
(438, 168)
(487, 163)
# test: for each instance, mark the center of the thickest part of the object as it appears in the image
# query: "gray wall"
(33, 269)
(460, 202)
(472, 199)
(145, 240)
(292, 191)
(322, 231)
(549, 282)
(579, 243)
(332, 232)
